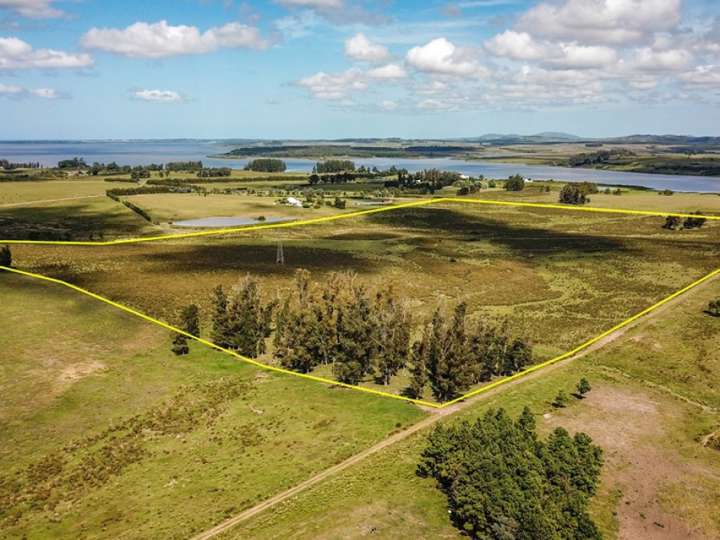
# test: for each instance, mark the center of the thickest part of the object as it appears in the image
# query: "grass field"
(658, 480)
(554, 275)
(106, 434)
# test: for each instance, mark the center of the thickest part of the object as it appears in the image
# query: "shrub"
(515, 183)
(5, 256)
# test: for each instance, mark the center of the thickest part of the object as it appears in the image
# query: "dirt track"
(435, 416)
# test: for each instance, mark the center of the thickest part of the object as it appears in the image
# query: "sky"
(302, 69)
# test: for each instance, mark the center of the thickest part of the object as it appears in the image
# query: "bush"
(583, 387)
(713, 307)
(573, 194)
(561, 400)
(515, 183)
(5, 256)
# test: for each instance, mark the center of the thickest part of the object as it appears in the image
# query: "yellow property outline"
(307, 376)
(348, 215)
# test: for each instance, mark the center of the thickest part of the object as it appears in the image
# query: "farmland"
(175, 445)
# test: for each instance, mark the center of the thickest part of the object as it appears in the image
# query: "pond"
(229, 221)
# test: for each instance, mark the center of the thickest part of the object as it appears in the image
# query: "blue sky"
(347, 68)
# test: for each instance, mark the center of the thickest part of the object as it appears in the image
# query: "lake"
(146, 152)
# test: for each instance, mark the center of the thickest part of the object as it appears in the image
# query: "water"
(146, 152)
(225, 222)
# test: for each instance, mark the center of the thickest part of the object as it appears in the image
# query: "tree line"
(9, 165)
(427, 181)
(266, 165)
(333, 166)
(214, 172)
(502, 481)
(362, 334)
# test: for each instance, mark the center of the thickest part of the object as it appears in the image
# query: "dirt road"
(435, 416)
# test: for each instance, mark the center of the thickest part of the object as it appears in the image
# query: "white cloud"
(703, 76)
(35, 9)
(442, 57)
(10, 89)
(360, 47)
(161, 96)
(334, 87)
(388, 71)
(318, 4)
(17, 54)
(45, 93)
(160, 40)
(602, 21)
(516, 45)
(648, 59)
(15, 91)
(388, 105)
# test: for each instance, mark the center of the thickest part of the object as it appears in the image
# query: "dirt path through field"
(435, 416)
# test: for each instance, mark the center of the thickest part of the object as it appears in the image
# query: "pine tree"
(220, 323)
(248, 322)
(190, 319)
(393, 337)
(418, 371)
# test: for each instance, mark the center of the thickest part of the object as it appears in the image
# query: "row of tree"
(214, 172)
(360, 335)
(502, 481)
(427, 181)
(450, 357)
(333, 166)
(9, 165)
(266, 165)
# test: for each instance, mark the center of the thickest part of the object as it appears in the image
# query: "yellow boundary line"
(359, 213)
(267, 367)
(210, 344)
(348, 215)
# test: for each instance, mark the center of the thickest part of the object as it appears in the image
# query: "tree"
(583, 387)
(393, 324)
(503, 482)
(448, 359)
(561, 400)
(515, 183)
(180, 345)
(220, 333)
(694, 222)
(573, 194)
(672, 223)
(190, 319)
(5, 256)
(248, 321)
(418, 371)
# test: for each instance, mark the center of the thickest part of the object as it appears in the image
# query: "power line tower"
(280, 257)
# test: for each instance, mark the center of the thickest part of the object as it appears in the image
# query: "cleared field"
(23, 192)
(168, 207)
(104, 433)
(81, 219)
(557, 277)
(658, 481)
